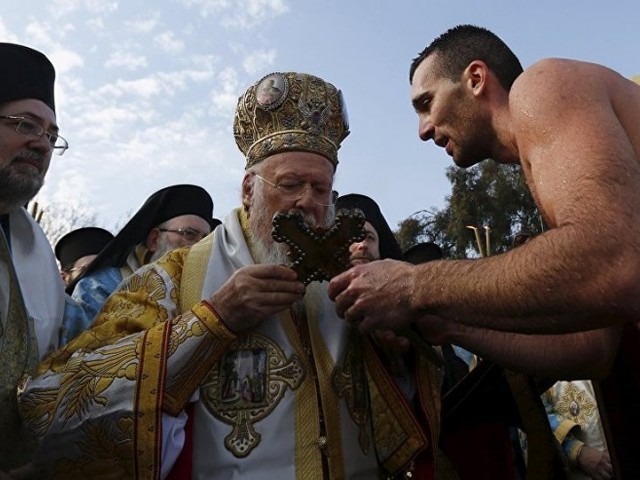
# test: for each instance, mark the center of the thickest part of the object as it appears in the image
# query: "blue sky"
(146, 90)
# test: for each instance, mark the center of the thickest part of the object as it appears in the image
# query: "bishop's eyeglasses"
(30, 128)
(294, 190)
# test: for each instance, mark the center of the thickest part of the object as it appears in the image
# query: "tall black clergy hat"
(163, 205)
(81, 242)
(388, 245)
(423, 252)
(26, 73)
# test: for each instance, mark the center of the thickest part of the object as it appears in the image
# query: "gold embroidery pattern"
(184, 329)
(332, 447)
(104, 449)
(148, 403)
(389, 433)
(187, 376)
(37, 408)
(246, 385)
(307, 413)
(84, 379)
(576, 404)
(350, 383)
(173, 263)
(81, 386)
(139, 306)
(148, 282)
(398, 435)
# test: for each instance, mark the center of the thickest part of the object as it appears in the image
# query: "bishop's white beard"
(164, 245)
(268, 251)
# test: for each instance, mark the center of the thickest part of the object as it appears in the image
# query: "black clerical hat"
(388, 245)
(423, 252)
(26, 73)
(81, 242)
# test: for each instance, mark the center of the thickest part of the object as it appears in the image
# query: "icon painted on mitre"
(271, 91)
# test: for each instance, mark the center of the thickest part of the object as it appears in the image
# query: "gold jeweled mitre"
(290, 111)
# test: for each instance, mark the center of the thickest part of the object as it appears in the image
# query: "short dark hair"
(461, 45)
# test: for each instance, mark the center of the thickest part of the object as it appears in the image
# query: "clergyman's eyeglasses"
(30, 128)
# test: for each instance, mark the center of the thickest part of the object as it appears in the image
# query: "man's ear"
(475, 76)
(247, 190)
(152, 239)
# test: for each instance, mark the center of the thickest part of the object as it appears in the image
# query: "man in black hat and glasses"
(173, 217)
(31, 293)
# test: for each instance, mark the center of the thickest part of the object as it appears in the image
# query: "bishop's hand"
(255, 292)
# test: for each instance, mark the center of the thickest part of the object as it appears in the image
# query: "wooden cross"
(319, 253)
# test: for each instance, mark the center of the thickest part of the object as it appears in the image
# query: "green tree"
(489, 194)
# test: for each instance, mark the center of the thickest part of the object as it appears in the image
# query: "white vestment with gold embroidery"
(251, 392)
(98, 403)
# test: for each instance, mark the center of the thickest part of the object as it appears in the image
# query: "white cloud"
(256, 62)
(178, 80)
(39, 33)
(45, 37)
(109, 124)
(96, 23)
(225, 97)
(50, 40)
(207, 7)
(60, 8)
(169, 42)
(146, 87)
(239, 13)
(251, 13)
(165, 83)
(126, 60)
(143, 25)
(5, 34)
(65, 60)
(205, 62)
(124, 108)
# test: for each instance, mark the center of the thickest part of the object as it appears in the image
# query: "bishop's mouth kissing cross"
(319, 253)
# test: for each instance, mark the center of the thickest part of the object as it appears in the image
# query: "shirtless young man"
(575, 129)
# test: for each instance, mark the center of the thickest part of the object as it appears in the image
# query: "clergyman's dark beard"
(17, 188)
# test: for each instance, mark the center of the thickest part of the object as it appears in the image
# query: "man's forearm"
(541, 287)
(567, 355)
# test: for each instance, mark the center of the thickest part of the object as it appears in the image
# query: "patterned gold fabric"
(96, 404)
